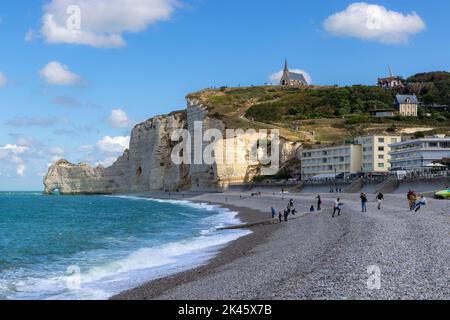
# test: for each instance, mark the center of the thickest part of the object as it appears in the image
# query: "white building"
(375, 152)
(331, 161)
(419, 153)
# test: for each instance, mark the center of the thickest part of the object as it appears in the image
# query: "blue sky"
(58, 92)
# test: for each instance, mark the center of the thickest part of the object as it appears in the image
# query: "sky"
(76, 75)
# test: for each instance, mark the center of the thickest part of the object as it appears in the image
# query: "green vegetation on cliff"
(328, 113)
(432, 87)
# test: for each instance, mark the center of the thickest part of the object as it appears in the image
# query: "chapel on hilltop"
(292, 78)
(391, 82)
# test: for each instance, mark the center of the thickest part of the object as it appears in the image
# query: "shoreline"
(318, 257)
(230, 252)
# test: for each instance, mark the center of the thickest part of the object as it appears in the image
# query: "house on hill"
(292, 78)
(407, 105)
(391, 82)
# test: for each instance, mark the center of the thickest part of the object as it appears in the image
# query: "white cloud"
(276, 76)
(102, 22)
(119, 119)
(374, 22)
(3, 79)
(59, 74)
(106, 151)
(11, 155)
(113, 144)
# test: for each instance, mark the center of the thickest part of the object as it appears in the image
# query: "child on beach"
(422, 202)
(312, 209)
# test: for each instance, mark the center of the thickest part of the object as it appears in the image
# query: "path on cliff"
(318, 257)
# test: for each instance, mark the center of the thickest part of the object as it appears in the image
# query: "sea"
(93, 247)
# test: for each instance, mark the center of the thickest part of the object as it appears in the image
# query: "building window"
(381, 157)
(394, 140)
(381, 165)
(381, 140)
(380, 148)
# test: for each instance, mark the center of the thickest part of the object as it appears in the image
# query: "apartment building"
(419, 153)
(331, 161)
(376, 152)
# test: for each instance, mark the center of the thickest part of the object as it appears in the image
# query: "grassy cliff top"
(332, 113)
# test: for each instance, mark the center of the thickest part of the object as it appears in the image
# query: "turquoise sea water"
(92, 247)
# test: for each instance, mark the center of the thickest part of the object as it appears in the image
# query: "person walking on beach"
(337, 207)
(280, 216)
(363, 202)
(422, 202)
(291, 204)
(286, 215)
(380, 198)
(319, 203)
(274, 212)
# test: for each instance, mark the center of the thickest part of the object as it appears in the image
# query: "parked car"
(444, 194)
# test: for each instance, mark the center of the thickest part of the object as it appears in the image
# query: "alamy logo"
(237, 147)
(73, 282)
(73, 22)
(374, 280)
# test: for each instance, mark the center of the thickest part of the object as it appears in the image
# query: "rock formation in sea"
(147, 164)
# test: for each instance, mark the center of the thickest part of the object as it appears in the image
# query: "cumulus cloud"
(276, 76)
(374, 22)
(113, 144)
(106, 151)
(101, 23)
(26, 155)
(10, 155)
(59, 74)
(119, 119)
(3, 79)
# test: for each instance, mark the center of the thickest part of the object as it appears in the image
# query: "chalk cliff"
(147, 164)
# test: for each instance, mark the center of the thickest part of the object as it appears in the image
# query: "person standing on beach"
(286, 215)
(337, 207)
(280, 216)
(274, 212)
(380, 198)
(363, 202)
(412, 198)
(319, 203)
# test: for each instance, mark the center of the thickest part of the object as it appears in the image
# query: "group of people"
(336, 190)
(288, 211)
(364, 200)
(415, 202)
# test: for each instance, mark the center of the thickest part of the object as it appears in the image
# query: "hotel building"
(375, 152)
(331, 161)
(368, 154)
(419, 153)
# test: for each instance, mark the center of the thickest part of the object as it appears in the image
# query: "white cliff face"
(147, 165)
(242, 168)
